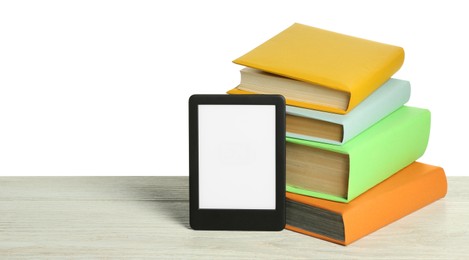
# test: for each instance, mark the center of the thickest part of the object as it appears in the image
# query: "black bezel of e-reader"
(237, 219)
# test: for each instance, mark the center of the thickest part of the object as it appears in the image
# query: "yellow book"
(312, 62)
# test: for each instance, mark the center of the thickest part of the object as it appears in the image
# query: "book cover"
(410, 189)
(336, 61)
(375, 154)
(386, 99)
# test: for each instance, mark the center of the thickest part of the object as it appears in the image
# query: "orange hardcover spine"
(410, 189)
(337, 61)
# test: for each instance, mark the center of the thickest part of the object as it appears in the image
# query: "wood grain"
(139, 217)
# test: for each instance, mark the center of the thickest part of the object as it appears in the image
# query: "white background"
(101, 87)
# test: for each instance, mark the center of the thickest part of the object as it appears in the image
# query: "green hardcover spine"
(378, 152)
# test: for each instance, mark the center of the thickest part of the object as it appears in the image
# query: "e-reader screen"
(236, 156)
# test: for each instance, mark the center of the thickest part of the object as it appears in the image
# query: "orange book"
(318, 69)
(410, 189)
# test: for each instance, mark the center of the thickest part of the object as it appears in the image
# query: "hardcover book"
(333, 128)
(343, 172)
(318, 69)
(410, 189)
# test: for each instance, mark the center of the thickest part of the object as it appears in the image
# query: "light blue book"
(337, 129)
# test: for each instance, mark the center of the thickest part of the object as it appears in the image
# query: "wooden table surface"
(119, 217)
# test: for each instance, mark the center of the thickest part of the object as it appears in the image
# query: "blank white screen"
(236, 156)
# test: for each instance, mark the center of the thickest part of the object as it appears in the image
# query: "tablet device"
(237, 162)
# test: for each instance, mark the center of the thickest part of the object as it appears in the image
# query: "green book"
(341, 173)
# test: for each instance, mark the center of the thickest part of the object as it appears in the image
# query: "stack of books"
(351, 141)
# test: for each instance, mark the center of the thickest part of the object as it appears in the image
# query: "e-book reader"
(237, 162)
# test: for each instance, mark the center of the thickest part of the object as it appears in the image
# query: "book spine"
(384, 150)
(376, 78)
(399, 199)
(377, 153)
(385, 100)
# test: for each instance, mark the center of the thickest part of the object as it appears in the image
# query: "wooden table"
(114, 217)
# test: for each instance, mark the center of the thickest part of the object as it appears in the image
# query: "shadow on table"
(171, 196)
